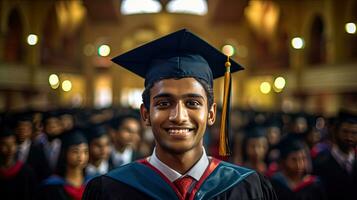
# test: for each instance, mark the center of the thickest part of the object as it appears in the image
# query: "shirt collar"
(342, 157)
(122, 158)
(101, 169)
(195, 172)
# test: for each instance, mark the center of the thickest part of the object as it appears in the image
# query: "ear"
(145, 115)
(212, 114)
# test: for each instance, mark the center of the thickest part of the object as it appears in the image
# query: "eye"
(162, 104)
(193, 103)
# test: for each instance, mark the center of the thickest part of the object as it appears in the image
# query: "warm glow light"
(32, 39)
(228, 50)
(350, 28)
(53, 80)
(129, 7)
(297, 43)
(89, 50)
(265, 87)
(104, 50)
(66, 85)
(197, 7)
(279, 83)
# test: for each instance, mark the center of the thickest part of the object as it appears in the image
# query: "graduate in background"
(338, 167)
(99, 151)
(69, 181)
(254, 149)
(17, 179)
(124, 131)
(178, 105)
(293, 180)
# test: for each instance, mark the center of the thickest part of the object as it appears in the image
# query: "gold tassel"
(224, 149)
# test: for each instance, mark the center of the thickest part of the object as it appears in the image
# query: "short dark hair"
(208, 89)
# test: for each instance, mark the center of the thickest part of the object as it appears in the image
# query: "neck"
(256, 164)
(180, 162)
(74, 176)
(293, 178)
(96, 163)
(120, 149)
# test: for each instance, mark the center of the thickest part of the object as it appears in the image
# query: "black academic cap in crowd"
(347, 116)
(177, 55)
(96, 131)
(50, 114)
(6, 131)
(73, 137)
(255, 131)
(290, 143)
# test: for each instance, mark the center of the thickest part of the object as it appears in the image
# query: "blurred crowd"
(53, 154)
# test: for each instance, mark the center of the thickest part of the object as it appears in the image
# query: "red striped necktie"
(184, 184)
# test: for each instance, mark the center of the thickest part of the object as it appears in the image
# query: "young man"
(293, 180)
(178, 105)
(124, 130)
(17, 179)
(99, 151)
(338, 168)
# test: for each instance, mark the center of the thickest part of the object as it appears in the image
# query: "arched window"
(317, 44)
(50, 43)
(59, 47)
(14, 50)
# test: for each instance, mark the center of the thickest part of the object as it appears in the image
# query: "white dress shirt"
(122, 158)
(195, 172)
(23, 150)
(92, 170)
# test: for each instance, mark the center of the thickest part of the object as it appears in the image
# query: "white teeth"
(178, 131)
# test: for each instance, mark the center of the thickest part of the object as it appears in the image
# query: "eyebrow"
(168, 95)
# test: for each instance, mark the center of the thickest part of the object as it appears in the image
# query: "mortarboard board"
(178, 55)
(73, 137)
(290, 143)
(6, 132)
(96, 131)
(347, 116)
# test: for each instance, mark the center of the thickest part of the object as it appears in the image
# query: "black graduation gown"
(309, 189)
(140, 180)
(339, 184)
(56, 188)
(17, 183)
(38, 162)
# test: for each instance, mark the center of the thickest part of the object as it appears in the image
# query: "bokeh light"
(228, 50)
(297, 43)
(32, 39)
(279, 83)
(66, 85)
(104, 50)
(350, 28)
(265, 87)
(54, 81)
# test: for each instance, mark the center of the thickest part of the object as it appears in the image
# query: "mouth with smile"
(179, 132)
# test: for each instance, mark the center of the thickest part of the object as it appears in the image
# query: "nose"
(178, 113)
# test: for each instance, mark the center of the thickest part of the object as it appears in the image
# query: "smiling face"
(178, 115)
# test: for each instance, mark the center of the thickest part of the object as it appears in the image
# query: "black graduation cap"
(182, 54)
(96, 131)
(290, 143)
(73, 137)
(347, 116)
(6, 131)
(177, 55)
